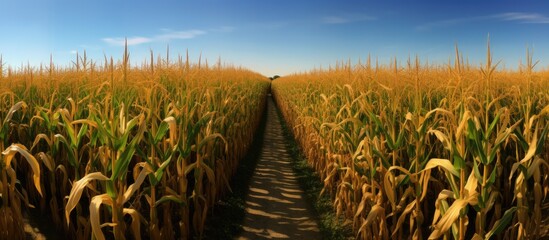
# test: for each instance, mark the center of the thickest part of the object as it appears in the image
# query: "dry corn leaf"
(13, 109)
(443, 163)
(376, 212)
(449, 217)
(471, 185)
(172, 123)
(10, 152)
(443, 138)
(402, 217)
(76, 191)
(136, 222)
(47, 160)
(95, 214)
(462, 124)
(442, 196)
(137, 184)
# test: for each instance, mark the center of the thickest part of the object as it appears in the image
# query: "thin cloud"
(346, 19)
(131, 41)
(166, 35)
(507, 17)
(524, 17)
(179, 35)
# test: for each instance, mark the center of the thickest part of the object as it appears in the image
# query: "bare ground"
(276, 207)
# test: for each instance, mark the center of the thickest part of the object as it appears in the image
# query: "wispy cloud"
(131, 41)
(174, 35)
(346, 19)
(523, 17)
(165, 36)
(519, 17)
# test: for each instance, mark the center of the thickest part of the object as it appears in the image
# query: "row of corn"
(110, 150)
(416, 151)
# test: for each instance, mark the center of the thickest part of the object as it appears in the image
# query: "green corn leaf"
(492, 155)
(122, 163)
(493, 124)
(502, 223)
(459, 162)
(404, 181)
(160, 171)
(384, 159)
(422, 131)
(94, 137)
(541, 140)
(390, 142)
(161, 132)
(47, 121)
(171, 198)
(105, 134)
(111, 190)
(121, 142)
(400, 139)
(471, 130)
(375, 118)
(72, 158)
(82, 133)
(491, 179)
(521, 141)
(70, 131)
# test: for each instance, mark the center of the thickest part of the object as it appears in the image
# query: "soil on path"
(276, 207)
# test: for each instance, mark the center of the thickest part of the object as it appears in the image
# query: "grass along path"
(276, 207)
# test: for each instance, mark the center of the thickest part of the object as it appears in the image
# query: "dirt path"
(275, 206)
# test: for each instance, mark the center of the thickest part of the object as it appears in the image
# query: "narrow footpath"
(276, 207)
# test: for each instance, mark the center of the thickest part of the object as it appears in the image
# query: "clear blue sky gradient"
(274, 37)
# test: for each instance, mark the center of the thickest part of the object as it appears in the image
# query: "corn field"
(115, 151)
(416, 151)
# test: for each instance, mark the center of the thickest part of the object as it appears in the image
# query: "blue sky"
(274, 37)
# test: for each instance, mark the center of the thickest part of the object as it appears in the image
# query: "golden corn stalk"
(412, 151)
(113, 151)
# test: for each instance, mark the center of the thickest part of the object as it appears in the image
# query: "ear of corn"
(424, 151)
(117, 151)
